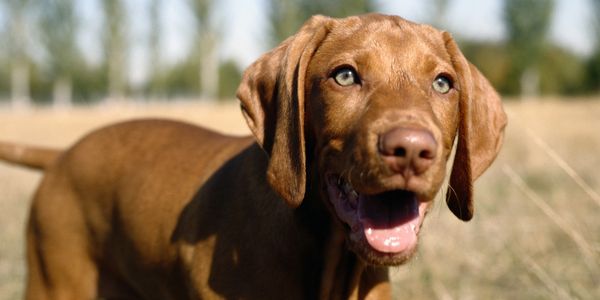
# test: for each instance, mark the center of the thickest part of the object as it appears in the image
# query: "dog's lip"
(387, 223)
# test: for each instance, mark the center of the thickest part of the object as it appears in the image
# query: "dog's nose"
(408, 151)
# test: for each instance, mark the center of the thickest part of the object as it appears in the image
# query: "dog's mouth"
(388, 222)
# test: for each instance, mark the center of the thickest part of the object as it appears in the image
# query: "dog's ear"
(480, 131)
(272, 100)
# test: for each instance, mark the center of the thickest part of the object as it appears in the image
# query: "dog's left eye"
(442, 84)
(345, 77)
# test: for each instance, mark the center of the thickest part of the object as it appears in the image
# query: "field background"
(535, 234)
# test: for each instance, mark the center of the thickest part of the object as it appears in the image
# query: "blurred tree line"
(525, 63)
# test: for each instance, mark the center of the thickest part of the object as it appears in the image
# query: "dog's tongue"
(390, 220)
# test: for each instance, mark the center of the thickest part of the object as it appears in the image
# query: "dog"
(353, 124)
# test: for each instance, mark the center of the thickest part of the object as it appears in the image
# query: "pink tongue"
(390, 223)
(393, 239)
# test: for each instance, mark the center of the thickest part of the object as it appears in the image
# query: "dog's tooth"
(353, 199)
(347, 188)
(413, 227)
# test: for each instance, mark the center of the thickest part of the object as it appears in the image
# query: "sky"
(244, 26)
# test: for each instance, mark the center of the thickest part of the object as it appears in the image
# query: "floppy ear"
(480, 131)
(272, 100)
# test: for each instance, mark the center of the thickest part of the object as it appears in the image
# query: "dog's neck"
(341, 269)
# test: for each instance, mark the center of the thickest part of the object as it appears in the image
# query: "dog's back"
(120, 204)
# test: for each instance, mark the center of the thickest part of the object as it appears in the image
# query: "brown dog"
(353, 121)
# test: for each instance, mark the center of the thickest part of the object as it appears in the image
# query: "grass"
(536, 231)
(535, 234)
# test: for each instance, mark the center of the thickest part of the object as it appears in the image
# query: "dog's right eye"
(345, 77)
(442, 84)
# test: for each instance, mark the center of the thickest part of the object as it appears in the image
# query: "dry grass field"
(535, 234)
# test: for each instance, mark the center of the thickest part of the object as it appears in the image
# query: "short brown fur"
(156, 209)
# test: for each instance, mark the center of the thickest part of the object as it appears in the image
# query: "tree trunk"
(62, 93)
(209, 67)
(115, 48)
(530, 84)
(116, 80)
(20, 85)
(20, 96)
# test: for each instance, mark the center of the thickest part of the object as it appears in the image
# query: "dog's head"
(374, 103)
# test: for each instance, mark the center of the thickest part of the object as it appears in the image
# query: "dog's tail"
(33, 157)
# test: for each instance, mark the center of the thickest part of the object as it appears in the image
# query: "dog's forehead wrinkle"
(383, 51)
(406, 78)
(399, 81)
(375, 31)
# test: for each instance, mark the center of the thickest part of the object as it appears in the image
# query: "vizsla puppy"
(353, 121)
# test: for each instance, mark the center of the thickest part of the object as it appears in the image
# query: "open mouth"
(388, 221)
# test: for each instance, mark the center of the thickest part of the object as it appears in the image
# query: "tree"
(154, 57)
(593, 65)
(230, 75)
(439, 9)
(20, 94)
(115, 47)
(288, 15)
(527, 23)
(59, 24)
(206, 48)
(284, 19)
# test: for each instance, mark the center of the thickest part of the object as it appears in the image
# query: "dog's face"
(374, 84)
(375, 103)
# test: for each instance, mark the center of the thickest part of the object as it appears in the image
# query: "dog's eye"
(345, 77)
(442, 84)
